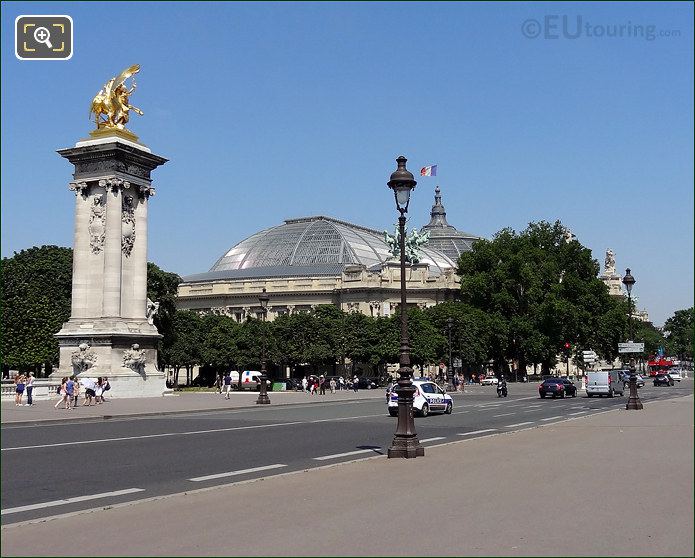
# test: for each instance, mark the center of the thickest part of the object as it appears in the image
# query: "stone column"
(140, 252)
(112, 248)
(81, 251)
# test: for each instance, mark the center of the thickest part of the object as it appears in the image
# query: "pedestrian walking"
(312, 387)
(107, 387)
(322, 385)
(304, 384)
(99, 390)
(355, 384)
(76, 391)
(30, 389)
(227, 385)
(341, 383)
(218, 384)
(332, 384)
(89, 386)
(69, 392)
(20, 384)
(62, 393)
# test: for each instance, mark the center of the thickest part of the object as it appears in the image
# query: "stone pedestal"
(109, 333)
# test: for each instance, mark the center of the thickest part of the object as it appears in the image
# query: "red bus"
(660, 365)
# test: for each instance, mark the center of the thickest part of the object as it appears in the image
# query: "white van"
(249, 379)
(604, 382)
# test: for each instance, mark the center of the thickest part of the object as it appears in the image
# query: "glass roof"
(316, 242)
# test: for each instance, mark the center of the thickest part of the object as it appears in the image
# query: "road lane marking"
(537, 405)
(477, 432)
(346, 418)
(518, 424)
(433, 439)
(164, 435)
(577, 413)
(502, 415)
(239, 472)
(70, 500)
(552, 418)
(347, 453)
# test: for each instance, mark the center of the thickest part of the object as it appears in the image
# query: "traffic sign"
(589, 356)
(630, 347)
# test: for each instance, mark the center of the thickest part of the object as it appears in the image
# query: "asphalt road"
(60, 468)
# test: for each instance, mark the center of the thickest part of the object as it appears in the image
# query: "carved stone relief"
(128, 226)
(135, 359)
(97, 223)
(83, 359)
(81, 188)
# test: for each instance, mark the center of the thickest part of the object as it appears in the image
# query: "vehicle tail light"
(609, 379)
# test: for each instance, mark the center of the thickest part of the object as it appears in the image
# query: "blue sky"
(274, 111)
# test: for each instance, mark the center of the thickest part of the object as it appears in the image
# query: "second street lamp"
(633, 402)
(450, 370)
(405, 442)
(263, 398)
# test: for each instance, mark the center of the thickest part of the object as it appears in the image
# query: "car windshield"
(428, 388)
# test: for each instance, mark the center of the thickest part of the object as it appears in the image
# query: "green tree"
(162, 287)
(36, 291)
(679, 333)
(538, 287)
(186, 346)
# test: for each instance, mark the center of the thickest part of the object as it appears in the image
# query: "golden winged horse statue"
(111, 106)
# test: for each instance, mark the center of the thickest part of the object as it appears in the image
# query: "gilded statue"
(111, 106)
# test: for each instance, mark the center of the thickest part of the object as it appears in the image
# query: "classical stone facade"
(317, 260)
(356, 289)
(112, 186)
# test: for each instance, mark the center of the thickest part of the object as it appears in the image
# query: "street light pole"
(405, 442)
(633, 402)
(263, 398)
(449, 324)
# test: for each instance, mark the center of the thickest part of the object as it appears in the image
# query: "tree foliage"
(679, 333)
(539, 288)
(36, 291)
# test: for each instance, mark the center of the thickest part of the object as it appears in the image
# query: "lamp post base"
(263, 398)
(633, 402)
(406, 448)
(405, 442)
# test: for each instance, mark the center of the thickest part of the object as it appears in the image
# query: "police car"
(429, 398)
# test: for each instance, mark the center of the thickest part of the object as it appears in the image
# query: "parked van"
(249, 379)
(604, 382)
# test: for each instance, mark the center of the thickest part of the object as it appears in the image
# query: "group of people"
(24, 383)
(70, 387)
(319, 384)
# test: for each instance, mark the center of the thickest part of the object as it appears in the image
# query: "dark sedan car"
(625, 377)
(663, 380)
(557, 387)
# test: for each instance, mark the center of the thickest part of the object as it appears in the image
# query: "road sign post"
(630, 347)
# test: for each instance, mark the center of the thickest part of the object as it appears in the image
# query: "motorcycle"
(502, 391)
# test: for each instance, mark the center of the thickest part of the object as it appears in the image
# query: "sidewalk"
(179, 402)
(618, 483)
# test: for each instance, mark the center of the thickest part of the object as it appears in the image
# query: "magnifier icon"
(43, 36)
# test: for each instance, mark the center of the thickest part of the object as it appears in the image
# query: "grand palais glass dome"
(311, 246)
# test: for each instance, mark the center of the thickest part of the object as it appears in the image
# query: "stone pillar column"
(140, 252)
(81, 251)
(112, 248)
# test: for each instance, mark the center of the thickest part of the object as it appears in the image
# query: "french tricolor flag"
(429, 171)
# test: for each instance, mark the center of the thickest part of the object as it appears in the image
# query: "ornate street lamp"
(405, 442)
(450, 371)
(633, 401)
(263, 398)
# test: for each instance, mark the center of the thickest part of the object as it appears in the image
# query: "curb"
(76, 420)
